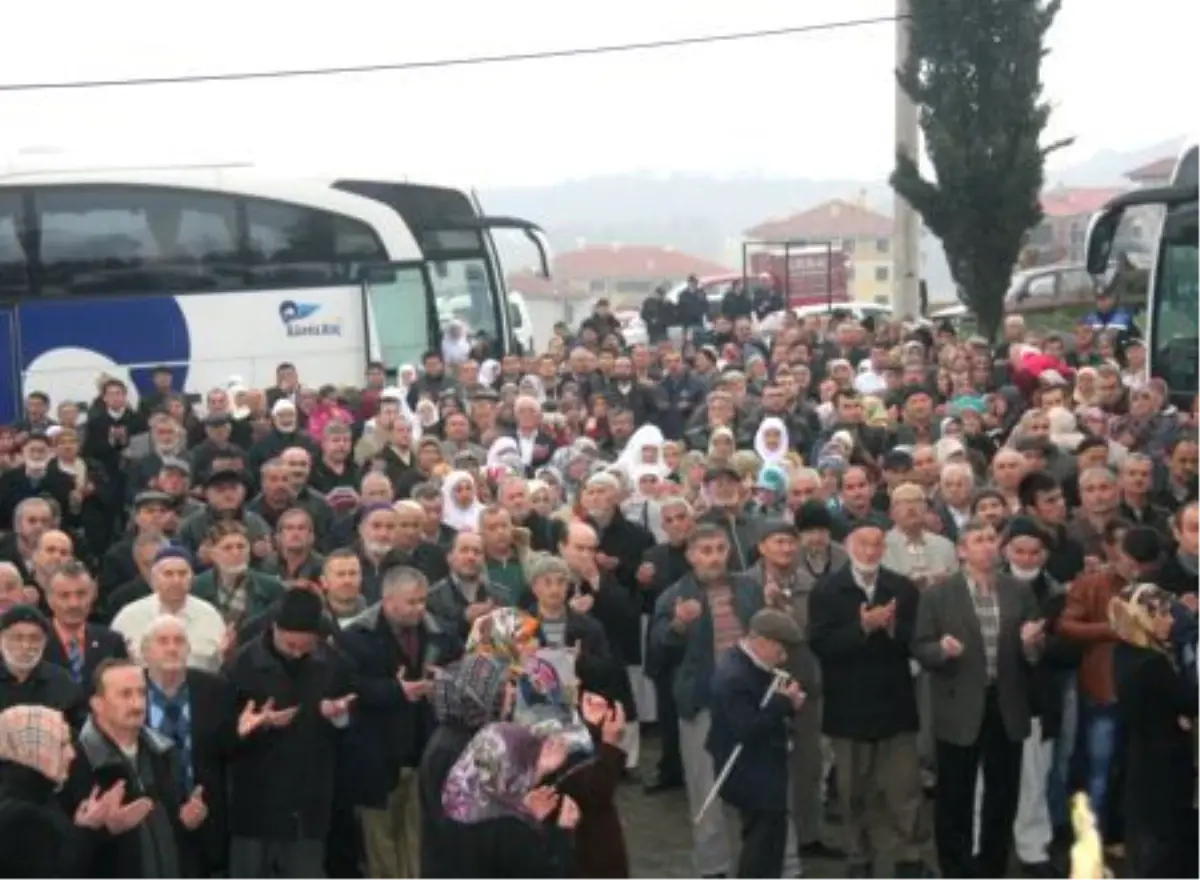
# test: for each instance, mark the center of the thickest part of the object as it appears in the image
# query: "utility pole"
(906, 232)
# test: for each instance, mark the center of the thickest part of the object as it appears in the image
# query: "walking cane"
(780, 678)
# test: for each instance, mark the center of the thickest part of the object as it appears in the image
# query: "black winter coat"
(48, 686)
(439, 855)
(390, 733)
(867, 680)
(39, 838)
(511, 847)
(281, 780)
(100, 763)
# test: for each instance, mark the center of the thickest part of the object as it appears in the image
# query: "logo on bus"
(298, 320)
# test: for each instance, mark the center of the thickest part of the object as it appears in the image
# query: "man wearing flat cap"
(798, 554)
(727, 497)
(225, 497)
(743, 714)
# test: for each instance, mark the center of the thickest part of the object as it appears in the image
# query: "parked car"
(633, 328)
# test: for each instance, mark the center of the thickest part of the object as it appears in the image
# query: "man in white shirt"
(171, 581)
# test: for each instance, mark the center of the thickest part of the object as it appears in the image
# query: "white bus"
(1173, 300)
(222, 272)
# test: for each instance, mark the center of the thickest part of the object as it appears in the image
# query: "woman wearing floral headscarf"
(38, 839)
(473, 693)
(502, 822)
(1158, 703)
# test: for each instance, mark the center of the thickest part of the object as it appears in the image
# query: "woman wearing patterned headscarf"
(468, 696)
(500, 815)
(35, 757)
(1158, 704)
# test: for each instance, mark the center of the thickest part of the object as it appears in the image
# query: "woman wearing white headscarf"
(643, 450)
(489, 372)
(504, 452)
(642, 505)
(460, 503)
(456, 343)
(407, 376)
(771, 441)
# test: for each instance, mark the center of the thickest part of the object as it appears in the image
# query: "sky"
(817, 105)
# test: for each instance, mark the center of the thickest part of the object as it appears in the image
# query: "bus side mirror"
(1101, 237)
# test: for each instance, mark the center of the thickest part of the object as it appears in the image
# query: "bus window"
(400, 312)
(1175, 319)
(297, 246)
(13, 275)
(113, 239)
(461, 292)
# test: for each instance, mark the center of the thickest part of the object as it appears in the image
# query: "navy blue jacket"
(390, 732)
(759, 778)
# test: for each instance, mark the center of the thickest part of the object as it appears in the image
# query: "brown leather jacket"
(1085, 620)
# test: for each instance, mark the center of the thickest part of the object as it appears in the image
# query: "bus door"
(399, 312)
(10, 374)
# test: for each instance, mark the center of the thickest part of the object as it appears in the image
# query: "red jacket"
(1033, 364)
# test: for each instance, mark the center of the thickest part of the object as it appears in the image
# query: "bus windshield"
(1173, 321)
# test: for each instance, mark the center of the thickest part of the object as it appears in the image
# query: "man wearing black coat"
(111, 425)
(1045, 763)
(76, 646)
(26, 678)
(861, 620)
(150, 835)
(599, 597)
(395, 647)
(193, 710)
(658, 313)
(744, 717)
(293, 696)
(35, 479)
(692, 308)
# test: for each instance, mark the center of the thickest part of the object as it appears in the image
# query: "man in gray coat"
(977, 633)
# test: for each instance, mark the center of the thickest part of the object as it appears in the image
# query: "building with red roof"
(625, 274)
(851, 228)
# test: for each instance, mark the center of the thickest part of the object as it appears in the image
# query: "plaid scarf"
(172, 717)
(233, 598)
(35, 737)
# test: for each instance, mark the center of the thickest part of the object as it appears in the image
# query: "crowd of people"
(848, 577)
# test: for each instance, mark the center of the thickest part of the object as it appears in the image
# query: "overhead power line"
(469, 61)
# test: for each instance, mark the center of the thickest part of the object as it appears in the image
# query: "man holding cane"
(752, 706)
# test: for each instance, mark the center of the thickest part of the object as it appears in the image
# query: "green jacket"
(263, 590)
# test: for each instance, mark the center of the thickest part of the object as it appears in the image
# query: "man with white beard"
(26, 679)
(860, 622)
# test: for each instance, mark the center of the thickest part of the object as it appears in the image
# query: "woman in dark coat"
(504, 822)
(1158, 704)
(471, 694)
(599, 839)
(38, 839)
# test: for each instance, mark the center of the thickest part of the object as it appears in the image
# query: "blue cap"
(173, 551)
